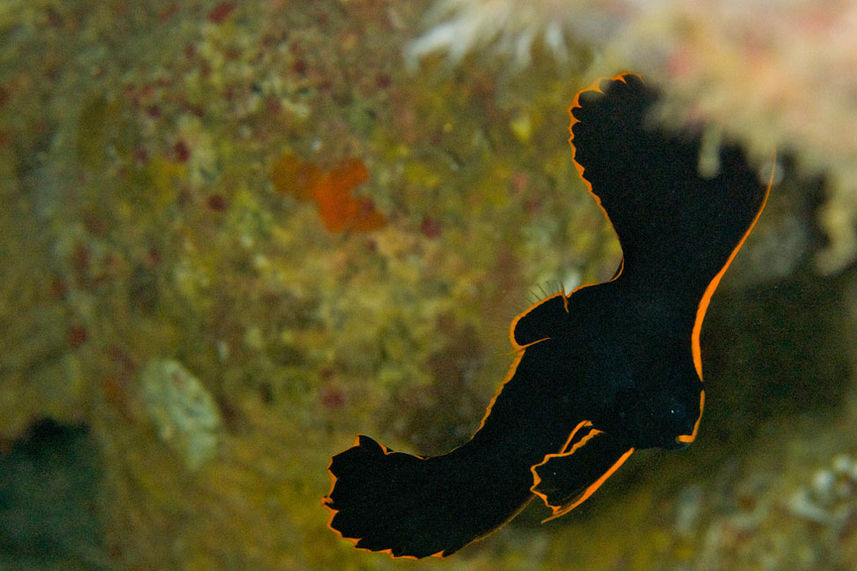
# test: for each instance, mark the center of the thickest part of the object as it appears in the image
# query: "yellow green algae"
(140, 228)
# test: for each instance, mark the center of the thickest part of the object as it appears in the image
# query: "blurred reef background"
(234, 234)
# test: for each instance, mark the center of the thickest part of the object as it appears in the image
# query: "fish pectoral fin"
(564, 481)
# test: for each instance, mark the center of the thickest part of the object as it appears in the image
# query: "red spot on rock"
(532, 205)
(220, 12)
(430, 227)
(80, 260)
(266, 393)
(153, 257)
(383, 80)
(167, 13)
(273, 106)
(332, 397)
(95, 224)
(299, 67)
(141, 155)
(118, 356)
(217, 202)
(76, 336)
(181, 151)
(519, 182)
(194, 109)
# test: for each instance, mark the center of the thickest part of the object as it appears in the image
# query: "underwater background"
(235, 234)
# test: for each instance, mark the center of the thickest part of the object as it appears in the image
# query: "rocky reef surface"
(235, 234)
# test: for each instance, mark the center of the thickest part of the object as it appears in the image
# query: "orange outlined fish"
(600, 373)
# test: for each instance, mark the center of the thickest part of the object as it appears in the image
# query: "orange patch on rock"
(331, 191)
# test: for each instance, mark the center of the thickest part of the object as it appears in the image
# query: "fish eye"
(677, 411)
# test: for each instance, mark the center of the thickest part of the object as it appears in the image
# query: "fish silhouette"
(602, 372)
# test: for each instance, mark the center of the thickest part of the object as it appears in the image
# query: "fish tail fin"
(414, 507)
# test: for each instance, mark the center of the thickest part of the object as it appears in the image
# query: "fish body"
(599, 373)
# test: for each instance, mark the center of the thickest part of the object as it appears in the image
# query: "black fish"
(606, 370)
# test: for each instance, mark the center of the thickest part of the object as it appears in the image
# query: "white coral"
(185, 414)
(767, 74)
(513, 26)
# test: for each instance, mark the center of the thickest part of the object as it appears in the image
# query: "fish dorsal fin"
(676, 227)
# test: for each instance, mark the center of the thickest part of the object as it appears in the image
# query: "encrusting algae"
(144, 224)
(331, 192)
